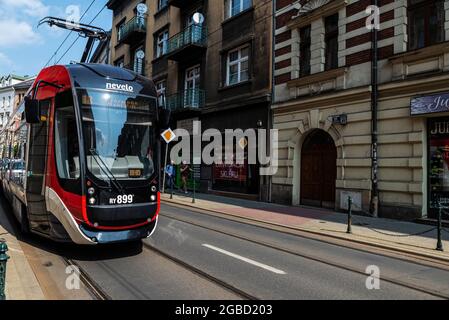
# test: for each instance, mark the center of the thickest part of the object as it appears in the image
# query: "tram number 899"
(122, 199)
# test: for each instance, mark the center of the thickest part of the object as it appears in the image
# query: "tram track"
(307, 256)
(94, 289)
(199, 272)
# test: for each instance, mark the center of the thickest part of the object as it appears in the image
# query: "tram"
(80, 160)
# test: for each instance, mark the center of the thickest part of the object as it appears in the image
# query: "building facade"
(8, 97)
(210, 61)
(323, 105)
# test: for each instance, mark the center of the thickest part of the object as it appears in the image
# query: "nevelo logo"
(121, 87)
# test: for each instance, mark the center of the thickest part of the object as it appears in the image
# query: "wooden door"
(318, 170)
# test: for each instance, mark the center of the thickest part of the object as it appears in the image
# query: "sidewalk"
(21, 282)
(387, 233)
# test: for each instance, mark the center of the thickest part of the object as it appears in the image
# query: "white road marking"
(236, 256)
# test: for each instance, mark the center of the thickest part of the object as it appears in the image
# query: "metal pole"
(165, 165)
(3, 259)
(193, 175)
(439, 242)
(172, 182)
(349, 230)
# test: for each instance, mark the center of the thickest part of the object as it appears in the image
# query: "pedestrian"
(170, 174)
(185, 171)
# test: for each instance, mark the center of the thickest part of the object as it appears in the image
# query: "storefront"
(238, 178)
(436, 108)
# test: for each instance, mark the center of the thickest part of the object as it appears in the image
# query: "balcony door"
(139, 59)
(191, 87)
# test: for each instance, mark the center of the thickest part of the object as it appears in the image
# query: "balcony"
(133, 31)
(191, 99)
(190, 42)
(181, 4)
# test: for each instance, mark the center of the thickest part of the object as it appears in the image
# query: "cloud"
(33, 8)
(18, 32)
(4, 60)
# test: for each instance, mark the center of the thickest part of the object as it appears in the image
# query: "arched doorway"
(318, 170)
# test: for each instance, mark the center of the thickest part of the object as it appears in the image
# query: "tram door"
(36, 169)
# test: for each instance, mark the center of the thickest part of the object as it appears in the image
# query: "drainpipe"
(374, 205)
(270, 113)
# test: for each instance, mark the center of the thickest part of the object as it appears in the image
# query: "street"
(193, 255)
(241, 151)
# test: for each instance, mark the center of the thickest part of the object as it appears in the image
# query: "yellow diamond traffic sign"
(168, 135)
(243, 143)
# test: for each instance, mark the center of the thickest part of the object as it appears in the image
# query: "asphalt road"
(196, 256)
(281, 269)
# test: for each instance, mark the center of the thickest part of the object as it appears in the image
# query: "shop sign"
(430, 104)
(230, 172)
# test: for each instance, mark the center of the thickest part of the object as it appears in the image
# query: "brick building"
(323, 105)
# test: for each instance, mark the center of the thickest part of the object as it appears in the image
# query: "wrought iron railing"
(135, 24)
(192, 98)
(194, 34)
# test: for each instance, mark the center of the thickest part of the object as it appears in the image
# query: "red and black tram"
(80, 155)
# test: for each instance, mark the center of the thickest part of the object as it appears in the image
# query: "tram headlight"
(153, 189)
(91, 191)
(92, 200)
(153, 197)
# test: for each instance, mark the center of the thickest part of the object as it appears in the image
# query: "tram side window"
(66, 138)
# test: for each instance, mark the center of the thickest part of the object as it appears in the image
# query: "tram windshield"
(119, 135)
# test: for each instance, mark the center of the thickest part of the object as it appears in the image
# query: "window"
(331, 38)
(162, 4)
(161, 43)
(161, 87)
(66, 142)
(237, 69)
(304, 51)
(120, 30)
(191, 86)
(234, 7)
(425, 23)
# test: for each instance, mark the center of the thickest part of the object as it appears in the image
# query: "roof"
(25, 84)
(92, 75)
(14, 76)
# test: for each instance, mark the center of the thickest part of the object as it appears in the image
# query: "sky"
(25, 49)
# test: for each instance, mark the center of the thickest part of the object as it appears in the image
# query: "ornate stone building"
(323, 105)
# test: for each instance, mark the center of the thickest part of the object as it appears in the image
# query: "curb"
(315, 232)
